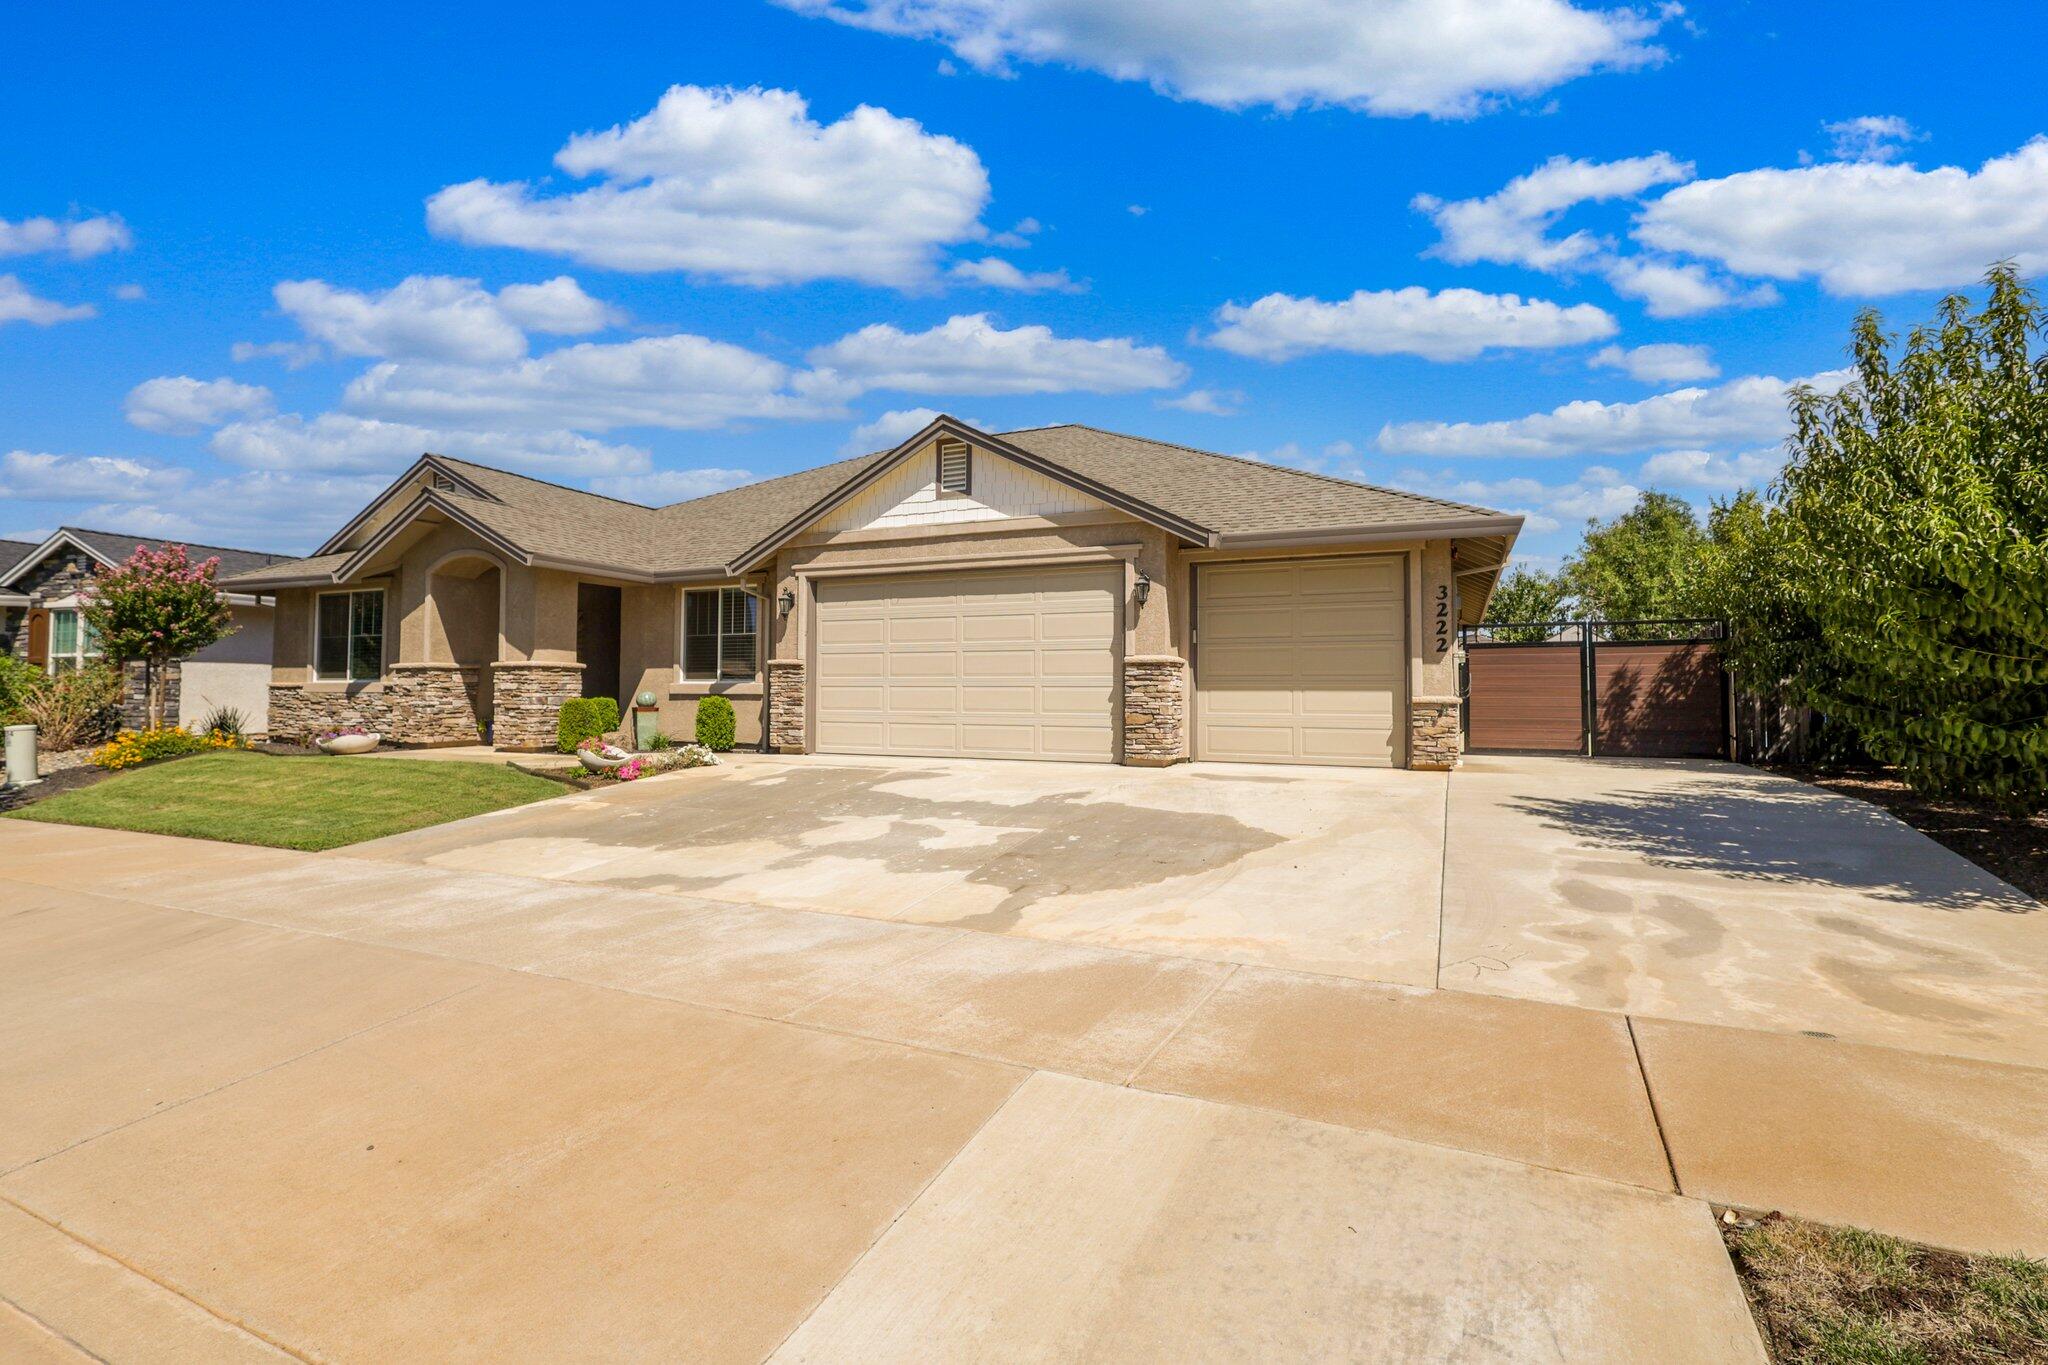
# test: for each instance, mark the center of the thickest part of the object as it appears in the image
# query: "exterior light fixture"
(787, 602)
(1143, 589)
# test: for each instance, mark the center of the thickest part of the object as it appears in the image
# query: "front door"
(597, 639)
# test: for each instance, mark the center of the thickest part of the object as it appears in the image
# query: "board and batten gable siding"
(999, 490)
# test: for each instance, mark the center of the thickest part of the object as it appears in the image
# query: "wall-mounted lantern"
(786, 602)
(1143, 588)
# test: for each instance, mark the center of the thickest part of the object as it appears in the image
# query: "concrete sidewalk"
(215, 1049)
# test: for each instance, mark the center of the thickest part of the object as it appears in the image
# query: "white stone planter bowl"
(349, 744)
(598, 763)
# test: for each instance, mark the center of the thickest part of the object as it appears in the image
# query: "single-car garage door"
(1011, 665)
(1301, 661)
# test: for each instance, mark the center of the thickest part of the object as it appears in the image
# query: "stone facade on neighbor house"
(40, 583)
(500, 597)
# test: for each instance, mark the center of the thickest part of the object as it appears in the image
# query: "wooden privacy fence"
(1645, 689)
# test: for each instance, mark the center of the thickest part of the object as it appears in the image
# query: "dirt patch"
(2014, 847)
(1839, 1295)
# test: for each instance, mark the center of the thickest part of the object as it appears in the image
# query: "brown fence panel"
(1658, 700)
(1526, 697)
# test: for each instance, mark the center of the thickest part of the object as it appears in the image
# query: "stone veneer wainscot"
(786, 706)
(431, 704)
(526, 702)
(1435, 740)
(297, 713)
(1155, 710)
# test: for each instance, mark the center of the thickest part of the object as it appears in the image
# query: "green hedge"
(715, 724)
(584, 718)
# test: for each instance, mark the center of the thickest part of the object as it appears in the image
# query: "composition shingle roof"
(11, 552)
(1222, 493)
(114, 546)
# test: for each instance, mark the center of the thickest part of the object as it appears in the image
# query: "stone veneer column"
(526, 702)
(1435, 741)
(786, 706)
(430, 704)
(297, 713)
(135, 694)
(1155, 710)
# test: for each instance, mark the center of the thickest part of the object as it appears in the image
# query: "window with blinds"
(955, 467)
(721, 633)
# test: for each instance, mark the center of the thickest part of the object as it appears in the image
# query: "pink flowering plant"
(156, 607)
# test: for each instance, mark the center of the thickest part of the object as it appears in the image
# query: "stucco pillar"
(1435, 723)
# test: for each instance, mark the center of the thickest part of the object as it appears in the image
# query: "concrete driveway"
(1694, 891)
(563, 1082)
(1332, 870)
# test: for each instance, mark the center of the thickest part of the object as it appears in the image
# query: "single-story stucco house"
(1055, 593)
(40, 623)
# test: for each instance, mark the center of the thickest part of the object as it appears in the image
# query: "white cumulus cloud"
(996, 273)
(1448, 58)
(1452, 324)
(181, 404)
(1512, 226)
(971, 354)
(1873, 137)
(35, 475)
(438, 317)
(1747, 411)
(678, 381)
(78, 238)
(1709, 470)
(340, 443)
(1863, 228)
(1664, 362)
(1211, 402)
(19, 304)
(741, 185)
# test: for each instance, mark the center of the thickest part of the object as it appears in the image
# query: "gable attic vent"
(442, 483)
(955, 466)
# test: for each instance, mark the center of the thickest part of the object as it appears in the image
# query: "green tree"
(1745, 572)
(1639, 565)
(1917, 509)
(156, 607)
(1527, 595)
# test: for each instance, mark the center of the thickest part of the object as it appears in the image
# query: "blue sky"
(250, 264)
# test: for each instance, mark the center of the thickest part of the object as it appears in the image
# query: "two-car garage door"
(1297, 661)
(994, 665)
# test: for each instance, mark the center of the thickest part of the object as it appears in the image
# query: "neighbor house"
(1055, 593)
(40, 623)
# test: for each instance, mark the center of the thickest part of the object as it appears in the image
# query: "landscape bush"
(132, 747)
(18, 679)
(716, 725)
(584, 718)
(74, 707)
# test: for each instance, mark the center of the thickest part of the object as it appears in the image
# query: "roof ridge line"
(160, 540)
(544, 483)
(1266, 464)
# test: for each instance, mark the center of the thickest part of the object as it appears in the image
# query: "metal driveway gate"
(1645, 689)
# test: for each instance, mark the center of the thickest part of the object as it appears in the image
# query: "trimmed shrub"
(18, 681)
(715, 724)
(606, 711)
(579, 720)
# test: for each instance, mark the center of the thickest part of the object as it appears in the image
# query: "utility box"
(21, 756)
(646, 721)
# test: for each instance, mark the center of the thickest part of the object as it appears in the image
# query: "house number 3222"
(1443, 620)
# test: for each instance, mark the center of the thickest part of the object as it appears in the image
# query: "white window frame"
(383, 634)
(718, 673)
(81, 638)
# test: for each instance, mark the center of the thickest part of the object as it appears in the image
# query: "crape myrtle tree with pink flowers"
(156, 607)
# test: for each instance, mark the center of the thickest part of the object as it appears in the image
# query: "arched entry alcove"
(465, 603)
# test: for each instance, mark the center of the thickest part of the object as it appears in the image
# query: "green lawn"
(304, 803)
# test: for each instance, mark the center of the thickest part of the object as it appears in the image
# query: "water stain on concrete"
(1884, 988)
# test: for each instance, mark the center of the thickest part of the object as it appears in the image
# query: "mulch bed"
(2014, 847)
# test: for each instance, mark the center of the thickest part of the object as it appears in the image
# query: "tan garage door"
(1016, 665)
(1301, 661)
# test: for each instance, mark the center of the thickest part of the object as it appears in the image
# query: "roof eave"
(1376, 532)
(333, 544)
(60, 536)
(426, 499)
